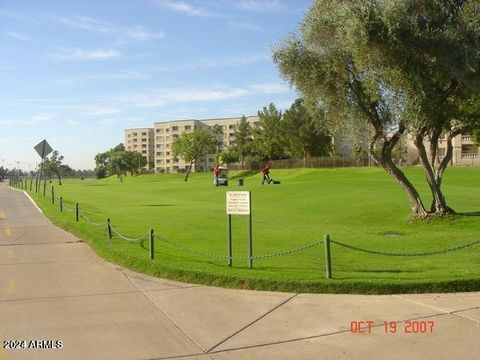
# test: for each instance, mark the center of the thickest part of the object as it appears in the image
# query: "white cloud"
(76, 54)
(222, 61)
(100, 111)
(259, 5)
(121, 75)
(185, 8)
(159, 98)
(86, 23)
(16, 35)
(270, 88)
(29, 120)
(242, 25)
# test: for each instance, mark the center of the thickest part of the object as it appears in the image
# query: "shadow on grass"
(155, 205)
(392, 271)
(472, 213)
(245, 174)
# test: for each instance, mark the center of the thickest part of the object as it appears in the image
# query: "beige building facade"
(465, 151)
(141, 140)
(163, 134)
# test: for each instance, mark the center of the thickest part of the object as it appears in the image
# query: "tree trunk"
(385, 160)
(418, 209)
(439, 206)
(59, 178)
(188, 171)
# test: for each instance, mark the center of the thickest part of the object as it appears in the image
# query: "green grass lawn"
(363, 207)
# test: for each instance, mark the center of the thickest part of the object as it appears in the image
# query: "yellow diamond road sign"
(43, 148)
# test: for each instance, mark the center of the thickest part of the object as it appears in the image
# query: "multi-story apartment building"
(142, 141)
(465, 150)
(163, 134)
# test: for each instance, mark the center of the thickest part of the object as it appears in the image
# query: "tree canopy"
(392, 67)
(193, 145)
(118, 161)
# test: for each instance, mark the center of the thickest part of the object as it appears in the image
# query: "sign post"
(239, 203)
(43, 148)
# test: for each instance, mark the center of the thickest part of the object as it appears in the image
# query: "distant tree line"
(299, 132)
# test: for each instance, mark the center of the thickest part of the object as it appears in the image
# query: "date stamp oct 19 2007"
(393, 327)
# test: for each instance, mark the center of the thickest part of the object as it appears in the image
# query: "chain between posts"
(144, 237)
(405, 254)
(82, 214)
(257, 257)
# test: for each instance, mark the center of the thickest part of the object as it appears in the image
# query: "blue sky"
(77, 73)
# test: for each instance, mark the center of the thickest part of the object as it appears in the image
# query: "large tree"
(242, 140)
(118, 161)
(392, 67)
(192, 146)
(53, 165)
(304, 131)
(268, 139)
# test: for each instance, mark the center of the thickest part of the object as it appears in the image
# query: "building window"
(159, 131)
(174, 128)
(159, 146)
(160, 161)
(167, 153)
(144, 140)
(144, 134)
(188, 127)
(231, 127)
(159, 138)
(167, 130)
(175, 136)
(129, 135)
(134, 134)
(159, 153)
(168, 161)
(144, 151)
(135, 140)
(144, 146)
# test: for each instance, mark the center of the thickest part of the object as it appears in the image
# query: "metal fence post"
(53, 195)
(77, 212)
(152, 245)
(61, 204)
(44, 187)
(31, 181)
(328, 259)
(109, 228)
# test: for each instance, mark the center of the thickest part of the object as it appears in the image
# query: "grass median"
(362, 207)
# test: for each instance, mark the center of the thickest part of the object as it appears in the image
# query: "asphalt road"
(58, 300)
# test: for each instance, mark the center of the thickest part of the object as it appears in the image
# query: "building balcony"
(469, 155)
(466, 138)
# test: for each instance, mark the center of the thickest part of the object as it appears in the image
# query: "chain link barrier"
(83, 215)
(114, 231)
(405, 254)
(65, 209)
(258, 257)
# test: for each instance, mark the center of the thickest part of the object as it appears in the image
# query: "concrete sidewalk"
(54, 288)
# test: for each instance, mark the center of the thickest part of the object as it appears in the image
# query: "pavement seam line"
(164, 314)
(455, 313)
(68, 296)
(315, 336)
(251, 323)
(430, 306)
